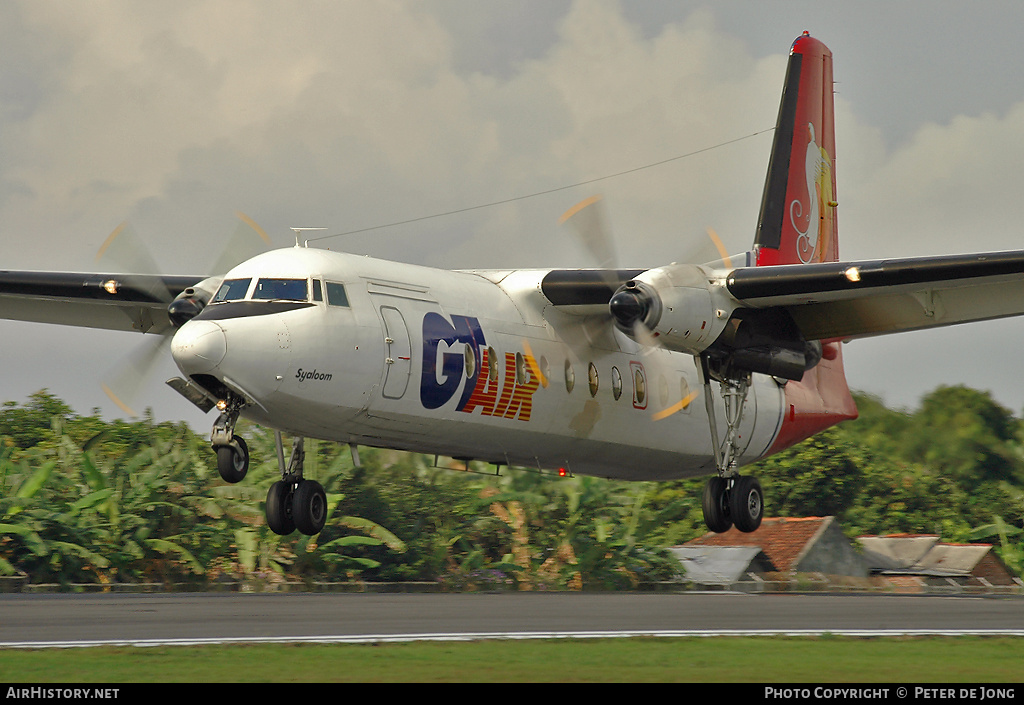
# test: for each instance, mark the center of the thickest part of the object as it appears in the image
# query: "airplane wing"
(112, 301)
(848, 300)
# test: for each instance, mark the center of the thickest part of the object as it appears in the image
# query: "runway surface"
(82, 620)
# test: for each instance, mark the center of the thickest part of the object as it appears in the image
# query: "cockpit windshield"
(281, 289)
(231, 290)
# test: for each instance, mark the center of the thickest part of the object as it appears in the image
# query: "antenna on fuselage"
(298, 233)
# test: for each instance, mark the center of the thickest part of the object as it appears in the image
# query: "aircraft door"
(398, 353)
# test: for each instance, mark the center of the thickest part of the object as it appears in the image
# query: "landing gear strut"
(729, 499)
(294, 502)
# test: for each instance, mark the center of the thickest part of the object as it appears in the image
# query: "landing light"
(110, 286)
(853, 274)
(222, 404)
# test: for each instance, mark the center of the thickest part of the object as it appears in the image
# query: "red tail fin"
(798, 222)
(798, 225)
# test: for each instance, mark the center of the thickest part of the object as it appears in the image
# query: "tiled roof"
(783, 540)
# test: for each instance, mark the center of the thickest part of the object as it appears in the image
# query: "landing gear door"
(748, 420)
(398, 353)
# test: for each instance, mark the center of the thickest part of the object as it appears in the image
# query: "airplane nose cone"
(198, 347)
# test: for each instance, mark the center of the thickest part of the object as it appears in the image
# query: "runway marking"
(478, 636)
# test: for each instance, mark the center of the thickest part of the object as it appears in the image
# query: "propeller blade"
(247, 240)
(652, 354)
(587, 220)
(720, 246)
(534, 366)
(128, 253)
(708, 250)
(678, 406)
(125, 383)
(125, 251)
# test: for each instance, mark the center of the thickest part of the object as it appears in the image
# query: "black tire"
(747, 504)
(233, 464)
(279, 508)
(309, 507)
(715, 504)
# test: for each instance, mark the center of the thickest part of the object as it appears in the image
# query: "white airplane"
(583, 371)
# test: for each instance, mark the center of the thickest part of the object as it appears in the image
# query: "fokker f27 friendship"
(676, 371)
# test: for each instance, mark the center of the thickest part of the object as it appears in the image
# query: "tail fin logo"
(818, 172)
(797, 224)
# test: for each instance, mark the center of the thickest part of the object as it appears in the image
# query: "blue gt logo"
(436, 389)
(508, 395)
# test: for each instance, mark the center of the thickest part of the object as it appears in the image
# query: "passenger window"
(640, 387)
(336, 295)
(281, 289)
(492, 365)
(232, 290)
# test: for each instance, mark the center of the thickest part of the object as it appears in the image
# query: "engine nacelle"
(190, 303)
(676, 304)
(683, 310)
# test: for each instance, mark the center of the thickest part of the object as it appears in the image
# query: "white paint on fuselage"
(348, 391)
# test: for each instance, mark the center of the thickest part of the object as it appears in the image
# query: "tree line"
(87, 500)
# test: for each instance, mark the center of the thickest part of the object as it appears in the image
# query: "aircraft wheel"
(309, 507)
(715, 503)
(232, 463)
(747, 504)
(279, 508)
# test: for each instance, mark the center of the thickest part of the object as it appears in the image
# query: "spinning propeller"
(635, 307)
(125, 251)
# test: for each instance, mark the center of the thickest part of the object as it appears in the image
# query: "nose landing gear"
(232, 451)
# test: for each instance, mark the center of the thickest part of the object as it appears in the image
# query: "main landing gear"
(729, 499)
(293, 502)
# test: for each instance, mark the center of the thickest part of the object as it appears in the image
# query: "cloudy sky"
(351, 115)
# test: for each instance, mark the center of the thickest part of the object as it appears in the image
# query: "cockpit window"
(231, 290)
(336, 295)
(281, 289)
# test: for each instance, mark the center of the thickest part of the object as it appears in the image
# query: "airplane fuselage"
(475, 365)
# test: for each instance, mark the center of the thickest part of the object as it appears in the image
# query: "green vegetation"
(765, 660)
(92, 501)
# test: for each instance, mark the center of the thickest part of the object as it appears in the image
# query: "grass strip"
(724, 659)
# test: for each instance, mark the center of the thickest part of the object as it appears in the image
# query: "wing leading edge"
(133, 302)
(848, 300)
